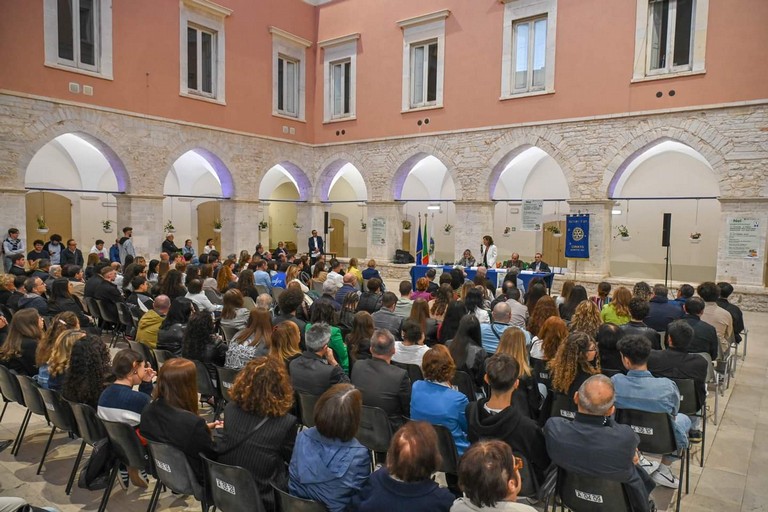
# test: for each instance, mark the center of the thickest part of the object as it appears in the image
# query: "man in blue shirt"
(278, 280)
(261, 276)
(640, 390)
(491, 333)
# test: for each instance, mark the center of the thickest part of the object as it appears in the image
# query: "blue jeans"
(682, 426)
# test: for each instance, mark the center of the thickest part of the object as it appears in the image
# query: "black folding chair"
(172, 469)
(290, 503)
(563, 407)
(589, 494)
(93, 310)
(232, 488)
(35, 405)
(161, 356)
(414, 371)
(205, 386)
(691, 407)
(375, 431)
(225, 377)
(126, 321)
(60, 414)
(448, 452)
(127, 449)
(657, 435)
(307, 408)
(91, 431)
(11, 390)
(144, 350)
(110, 320)
(464, 384)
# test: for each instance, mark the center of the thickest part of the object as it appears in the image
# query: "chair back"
(530, 486)
(657, 435)
(448, 452)
(307, 408)
(32, 398)
(225, 377)
(93, 308)
(172, 469)
(375, 431)
(290, 503)
(414, 371)
(317, 287)
(689, 404)
(126, 444)
(124, 316)
(249, 304)
(6, 312)
(144, 350)
(562, 407)
(261, 289)
(232, 488)
(276, 292)
(229, 332)
(464, 384)
(161, 356)
(204, 383)
(10, 386)
(589, 494)
(710, 366)
(214, 296)
(59, 411)
(106, 314)
(89, 425)
(609, 373)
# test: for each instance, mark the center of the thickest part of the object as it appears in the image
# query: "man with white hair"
(329, 295)
(316, 369)
(500, 321)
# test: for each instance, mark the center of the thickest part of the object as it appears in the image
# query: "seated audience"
(316, 369)
(150, 322)
(492, 331)
(404, 302)
(577, 295)
(586, 318)
(475, 304)
(349, 285)
(412, 349)
(576, 360)
(603, 295)
(420, 313)
(660, 310)
(454, 313)
(251, 342)
(24, 333)
(438, 305)
(58, 362)
(61, 299)
(289, 303)
(139, 295)
(62, 322)
(726, 289)
(370, 299)
(34, 296)
(705, 339)
(200, 343)
(323, 313)
(617, 311)
(716, 316)
(684, 293)
(608, 337)
(171, 332)
(328, 464)
(90, 371)
(201, 300)
(285, 343)
(467, 350)
(421, 292)
(528, 397)
(358, 340)
(385, 317)
(233, 314)
(544, 309)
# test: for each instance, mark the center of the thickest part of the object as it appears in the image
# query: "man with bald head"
(595, 445)
(149, 324)
(349, 286)
(500, 322)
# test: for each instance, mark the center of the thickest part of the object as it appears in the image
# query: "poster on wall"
(577, 236)
(379, 231)
(743, 237)
(533, 210)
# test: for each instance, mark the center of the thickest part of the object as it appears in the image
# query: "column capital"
(473, 202)
(742, 200)
(140, 196)
(590, 202)
(19, 191)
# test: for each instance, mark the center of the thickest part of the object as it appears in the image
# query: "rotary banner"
(577, 236)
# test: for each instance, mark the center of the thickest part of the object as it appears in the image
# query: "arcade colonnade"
(600, 166)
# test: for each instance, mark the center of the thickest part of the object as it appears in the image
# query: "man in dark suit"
(539, 266)
(316, 370)
(638, 309)
(595, 445)
(738, 317)
(661, 311)
(107, 292)
(315, 246)
(382, 384)
(385, 318)
(704, 335)
(72, 255)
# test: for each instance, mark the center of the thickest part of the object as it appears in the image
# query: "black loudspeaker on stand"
(666, 230)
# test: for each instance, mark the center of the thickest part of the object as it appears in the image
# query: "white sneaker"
(663, 476)
(647, 465)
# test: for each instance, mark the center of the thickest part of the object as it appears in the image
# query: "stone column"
(383, 248)
(474, 220)
(144, 214)
(598, 265)
(309, 216)
(14, 208)
(240, 225)
(744, 271)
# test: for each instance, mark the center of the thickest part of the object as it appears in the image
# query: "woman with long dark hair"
(467, 350)
(251, 342)
(89, 371)
(152, 275)
(359, 339)
(545, 308)
(201, 344)
(439, 304)
(577, 295)
(61, 299)
(453, 315)
(475, 302)
(347, 313)
(535, 292)
(420, 313)
(171, 285)
(171, 332)
(247, 285)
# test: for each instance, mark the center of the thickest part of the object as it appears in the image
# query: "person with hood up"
(328, 464)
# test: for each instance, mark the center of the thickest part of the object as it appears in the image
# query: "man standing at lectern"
(315, 246)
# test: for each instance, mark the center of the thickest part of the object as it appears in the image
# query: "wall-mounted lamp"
(433, 207)
(616, 208)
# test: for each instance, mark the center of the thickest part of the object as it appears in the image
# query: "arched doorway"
(282, 187)
(667, 176)
(346, 196)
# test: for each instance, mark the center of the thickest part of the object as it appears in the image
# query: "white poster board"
(379, 231)
(743, 237)
(533, 210)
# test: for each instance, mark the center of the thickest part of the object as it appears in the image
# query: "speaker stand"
(666, 269)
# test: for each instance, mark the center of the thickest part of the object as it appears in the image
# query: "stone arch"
(101, 140)
(641, 142)
(330, 167)
(303, 182)
(415, 156)
(212, 157)
(505, 155)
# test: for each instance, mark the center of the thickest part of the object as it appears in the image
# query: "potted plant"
(263, 225)
(106, 225)
(555, 230)
(363, 226)
(42, 227)
(447, 229)
(169, 227)
(296, 226)
(695, 237)
(623, 233)
(406, 226)
(217, 225)
(507, 231)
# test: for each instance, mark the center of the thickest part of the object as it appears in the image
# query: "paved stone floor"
(734, 477)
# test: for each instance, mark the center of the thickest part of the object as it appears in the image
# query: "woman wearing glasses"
(577, 360)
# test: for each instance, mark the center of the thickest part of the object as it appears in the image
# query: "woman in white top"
(487, 253)
(209, 246)
(292, 274)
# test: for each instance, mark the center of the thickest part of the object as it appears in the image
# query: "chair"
(290, 503)
(34, 402)
(144, 350)
(93, 309)
(657, 435)
(529, 485)
(127, 449)
(161, 356)
(307, 408)
(249, 304)
(126, 320)
(11, 390)
(414, 371)
(562, 407)
(589, 494)
(109, 318)
(225, 377)
(91, 431)
(205, 387)
(375, 431)
(690, 406)
(262, 289)
(464, 384)
(214, 296)
(317, 287)
(232, 488)
(229, 332)
(448, 452)
(60, 414)
(172, 469)
(8, 314)
(276, 292)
